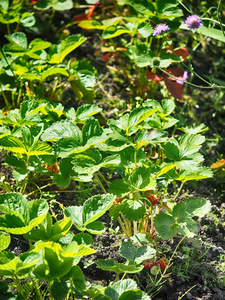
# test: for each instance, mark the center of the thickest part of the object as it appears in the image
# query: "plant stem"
(41, 188)
(123, 227)
(178, 192)
(103, 177)
(100, 183)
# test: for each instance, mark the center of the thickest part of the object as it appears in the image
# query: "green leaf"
(78, 278)
(87, 78)
(137, 254)
(119, 287)
(119, 188)
(4, 5)
(138, 115)
(62, 129)
(168, 106)
(95, 227)
(63, 5)
(59, 290)
(91, 129)
(92, 24)
(192, 207)
(7, 263)
(145, 29)
(133, 210)
(39, 149)
(154, 137)
(211, 32)
(86, 111)
(70, 44)
(26, 262)
(142, 180)
(5, 240)
(142, 6)
(13, 144)
(54, 265)
(113, 266)
(165, 225)
(134, 295)
(20, 216)
(197, 174)
(171, 149)
(50, 232)
(95, 207)
(53, 71)
(15, 162)
(19, 41)
(57, 4)
(114, 31)
(76, 214)
(83, 239)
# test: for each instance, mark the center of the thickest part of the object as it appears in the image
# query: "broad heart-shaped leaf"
(114, 291)
(95, 207)
(137, 254)
(20, 216)
(62, 129)
(137, 116)
(5, 240)
(165, 225)
(119, 188)
(142, 180)
(133, 210)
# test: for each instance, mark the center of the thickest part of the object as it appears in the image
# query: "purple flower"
(193, 22)
(184, 77)
(160, 28)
